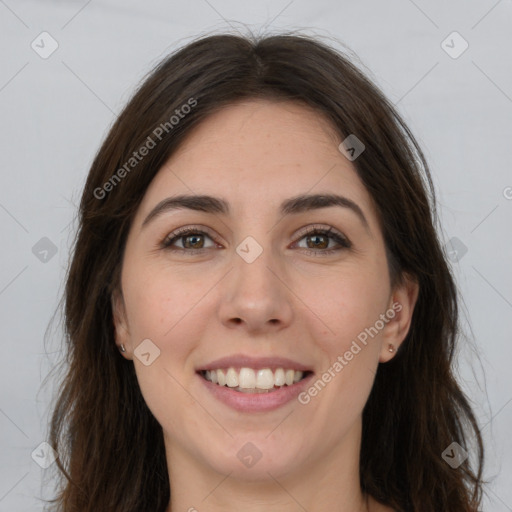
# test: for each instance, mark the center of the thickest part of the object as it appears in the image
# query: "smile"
(251, 390)
(249, 380)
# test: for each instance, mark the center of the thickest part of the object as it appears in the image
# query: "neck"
(230, 495)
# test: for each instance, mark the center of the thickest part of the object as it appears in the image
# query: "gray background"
(55, 112)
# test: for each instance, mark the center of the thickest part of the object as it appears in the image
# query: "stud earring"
(391, 348)
(121, 348)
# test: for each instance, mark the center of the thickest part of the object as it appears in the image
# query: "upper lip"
(257, 363)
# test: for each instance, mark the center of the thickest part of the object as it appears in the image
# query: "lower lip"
(256, 402)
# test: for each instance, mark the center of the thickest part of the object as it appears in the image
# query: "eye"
(318, 238)
(191, 238)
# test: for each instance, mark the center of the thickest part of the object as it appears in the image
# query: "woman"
(259, 312)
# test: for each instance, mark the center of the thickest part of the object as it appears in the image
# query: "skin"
(198, 307)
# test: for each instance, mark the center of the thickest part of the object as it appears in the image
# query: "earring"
(121, 348)
(391, 348)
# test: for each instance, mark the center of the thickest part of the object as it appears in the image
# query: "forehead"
(256, 154)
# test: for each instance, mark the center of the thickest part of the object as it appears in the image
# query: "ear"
(122, 332)
(400, 311)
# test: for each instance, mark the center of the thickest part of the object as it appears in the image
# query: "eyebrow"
(295, 205)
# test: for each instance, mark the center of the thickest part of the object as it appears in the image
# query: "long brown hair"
(110, 447)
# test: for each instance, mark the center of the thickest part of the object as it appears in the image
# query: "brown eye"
(191, 239)
(315, 237)
(317, 240)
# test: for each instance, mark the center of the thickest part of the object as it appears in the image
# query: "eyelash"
(191, 230)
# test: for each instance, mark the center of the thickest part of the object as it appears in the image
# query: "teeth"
(297, 376)
(279, 377)
(265, 379)
(249, 379)
(232, 378)
(246, 378)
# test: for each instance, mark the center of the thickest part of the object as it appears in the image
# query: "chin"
(251, 458)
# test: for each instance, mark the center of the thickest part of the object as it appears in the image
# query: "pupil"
(316, 236)
(191, 237)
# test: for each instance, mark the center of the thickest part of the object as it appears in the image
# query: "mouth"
(252, 384)
(254, 380)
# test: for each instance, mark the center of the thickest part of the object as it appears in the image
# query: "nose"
(255, 296)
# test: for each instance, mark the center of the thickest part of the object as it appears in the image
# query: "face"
(265, 290)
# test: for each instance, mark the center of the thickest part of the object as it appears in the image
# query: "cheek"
(350, 359)
(350, 308)
(158, 302)
(348, 303)
(163, 310)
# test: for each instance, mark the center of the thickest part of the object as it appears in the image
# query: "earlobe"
(122, 333)
(400, 312)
